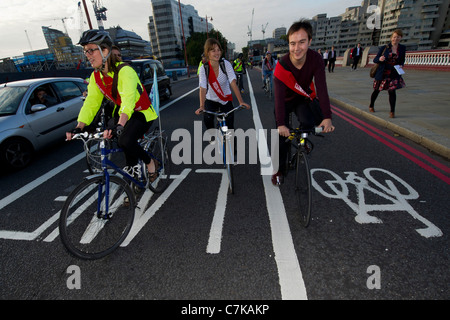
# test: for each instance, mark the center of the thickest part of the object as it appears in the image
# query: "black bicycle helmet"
(97, 37)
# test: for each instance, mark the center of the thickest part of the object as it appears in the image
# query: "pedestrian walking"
(391, 59)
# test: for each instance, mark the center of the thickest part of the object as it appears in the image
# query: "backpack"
(222, 66)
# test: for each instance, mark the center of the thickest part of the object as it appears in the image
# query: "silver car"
(35, 113)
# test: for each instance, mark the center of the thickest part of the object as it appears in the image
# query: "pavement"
(422, 112)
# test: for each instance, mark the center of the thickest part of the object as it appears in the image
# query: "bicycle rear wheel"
(303, 188)
(87, 230)
(159, 150)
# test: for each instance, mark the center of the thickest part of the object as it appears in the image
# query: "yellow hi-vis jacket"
(127, 88)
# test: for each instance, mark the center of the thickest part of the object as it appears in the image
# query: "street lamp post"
(184, 41)
(207, 34)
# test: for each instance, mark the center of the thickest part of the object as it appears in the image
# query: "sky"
(21, 20)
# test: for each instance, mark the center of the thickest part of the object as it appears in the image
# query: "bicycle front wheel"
(303, 188)
(96, 218)
(228, 157)
(94, 155)
(159, 152)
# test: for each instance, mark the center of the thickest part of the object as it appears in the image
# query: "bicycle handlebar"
(298, 131)
(86, 136)
(224, 114)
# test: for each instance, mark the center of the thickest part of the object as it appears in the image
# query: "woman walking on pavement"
(391, 59)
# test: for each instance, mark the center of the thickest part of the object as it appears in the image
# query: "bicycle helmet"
(97, 37)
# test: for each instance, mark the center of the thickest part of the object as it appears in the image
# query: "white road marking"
(215, 234)
(290, 275)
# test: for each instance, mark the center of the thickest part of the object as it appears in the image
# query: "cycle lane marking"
(141, 220)
(36, 183)
(290, 275)
(215, 234)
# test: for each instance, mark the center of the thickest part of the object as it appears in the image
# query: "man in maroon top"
(305, 65)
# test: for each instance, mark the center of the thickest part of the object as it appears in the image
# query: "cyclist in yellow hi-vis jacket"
(239, 69)
(133, 114)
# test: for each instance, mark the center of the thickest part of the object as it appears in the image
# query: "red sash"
(269, 67)
(106, 89)
(289, 80)
(212, 79)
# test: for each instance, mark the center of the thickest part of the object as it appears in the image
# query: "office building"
(131, 45)
(166, 31)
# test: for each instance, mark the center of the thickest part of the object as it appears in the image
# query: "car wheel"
(16, 153)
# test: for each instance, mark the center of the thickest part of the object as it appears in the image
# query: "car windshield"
(10, 98)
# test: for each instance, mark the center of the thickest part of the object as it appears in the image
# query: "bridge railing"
(426, 59)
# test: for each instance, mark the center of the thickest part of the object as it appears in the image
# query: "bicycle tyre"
(228, 154)
(83, 233)
(162, 156)
(303, 188)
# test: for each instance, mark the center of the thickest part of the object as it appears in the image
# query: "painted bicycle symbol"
(378, 190)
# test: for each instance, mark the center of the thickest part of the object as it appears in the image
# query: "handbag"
(374, 69)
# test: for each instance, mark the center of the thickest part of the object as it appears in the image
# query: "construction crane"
(100, 13)
(264, 29)
(64, 24)
(28, 38)
(80, 20)
(250, 28)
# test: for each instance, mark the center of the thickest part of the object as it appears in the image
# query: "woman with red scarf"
(215, 88)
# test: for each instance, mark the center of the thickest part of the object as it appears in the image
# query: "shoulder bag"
(374, 69)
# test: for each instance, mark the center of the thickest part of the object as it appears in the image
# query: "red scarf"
(212, 79)
(289, 80)
(268, 65)
(105, 87)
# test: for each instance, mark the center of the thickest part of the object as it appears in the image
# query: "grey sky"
(231, 17)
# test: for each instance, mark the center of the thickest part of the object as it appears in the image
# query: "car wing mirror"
(38, 107)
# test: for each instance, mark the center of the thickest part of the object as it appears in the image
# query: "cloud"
(231, 17)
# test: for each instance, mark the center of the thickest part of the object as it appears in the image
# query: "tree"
(196, 42)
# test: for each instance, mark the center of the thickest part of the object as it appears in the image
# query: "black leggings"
(392, 98)
(134, 129)
(305, 118)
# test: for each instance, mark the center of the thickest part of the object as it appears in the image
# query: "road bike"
(99, 213)
(298, 152)
(226, 146)
(268, 87)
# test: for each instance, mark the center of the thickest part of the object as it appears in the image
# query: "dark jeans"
(355, 62)
(331, 64)
(134, 129)
(306, 120)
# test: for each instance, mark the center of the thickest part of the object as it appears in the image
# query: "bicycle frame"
(221, 121)
(108, 164)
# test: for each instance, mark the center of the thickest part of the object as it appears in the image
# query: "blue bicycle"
(98, 215)
(225, 138)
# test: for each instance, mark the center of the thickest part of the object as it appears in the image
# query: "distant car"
(145, 70)
(35, 113)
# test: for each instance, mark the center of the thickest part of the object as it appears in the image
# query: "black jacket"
(401, 54)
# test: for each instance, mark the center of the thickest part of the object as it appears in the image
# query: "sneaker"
(135, 171)
(277, 179)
